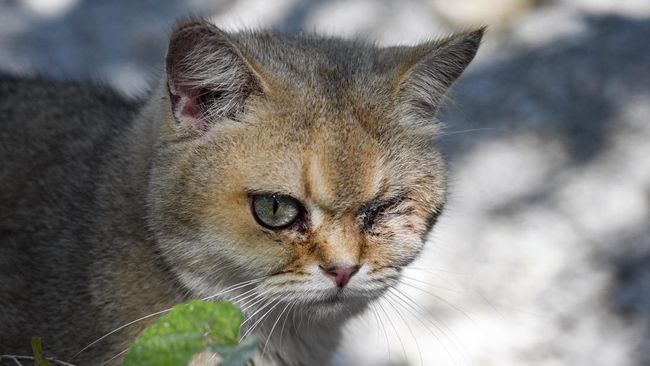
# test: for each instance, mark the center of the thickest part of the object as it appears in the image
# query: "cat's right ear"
(431, 68)
(208, 77)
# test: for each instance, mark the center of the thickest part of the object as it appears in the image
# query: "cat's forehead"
(336, 154)
(333, 164)
(348, 171)
(314, 59)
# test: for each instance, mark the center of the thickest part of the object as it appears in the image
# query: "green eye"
(275, 211)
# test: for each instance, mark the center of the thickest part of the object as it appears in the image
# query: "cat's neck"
(128, 268)
(298, 338)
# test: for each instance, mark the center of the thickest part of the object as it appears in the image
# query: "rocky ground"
(543, 255)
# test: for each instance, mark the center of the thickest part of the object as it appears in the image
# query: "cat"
(293, 174)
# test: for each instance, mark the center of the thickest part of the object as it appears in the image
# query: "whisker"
(378, 318)
(114, 357)
(228, 289)
(231, 288)
(417, 345)
(260, 298)
(273, 327)
(252, 302)
(419, 315)
(296, 328)
(430, 285)
(364, 320)
(421, 311)
(284, 322)
(433, 270)
(494, 307)
(118, 329)
(243, 296)
(275, 303)
(451, 133)
(442, 299)
(17, 358)
(439, 274)
(399, 338)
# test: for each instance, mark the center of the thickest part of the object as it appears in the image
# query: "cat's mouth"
(331, 299)
(337, 298)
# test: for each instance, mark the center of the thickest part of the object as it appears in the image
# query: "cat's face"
(319, 190)
(297, 197)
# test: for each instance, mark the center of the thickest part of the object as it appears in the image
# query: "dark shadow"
(101, 40)
(571, 88)
(294, 21)
(631, 284)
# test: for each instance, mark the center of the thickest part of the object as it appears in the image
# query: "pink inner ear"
(187, 109)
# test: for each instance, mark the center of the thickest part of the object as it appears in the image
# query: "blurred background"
(543, 254)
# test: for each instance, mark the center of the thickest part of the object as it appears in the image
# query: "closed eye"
(369, 212)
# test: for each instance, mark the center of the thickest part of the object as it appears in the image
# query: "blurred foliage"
(37, 349)
(190, 329)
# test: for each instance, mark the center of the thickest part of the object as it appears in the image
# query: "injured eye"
(276, 211)
(369, 212)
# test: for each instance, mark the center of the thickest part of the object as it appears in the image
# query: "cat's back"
(53, 139)
(38, 115)
(52, 135)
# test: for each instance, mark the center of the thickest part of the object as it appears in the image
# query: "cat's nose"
(340, 274)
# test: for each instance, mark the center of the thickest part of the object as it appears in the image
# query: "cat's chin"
(336, 305)
(328, 310)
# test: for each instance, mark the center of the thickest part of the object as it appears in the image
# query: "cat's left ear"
(431, 68)
(208, 76)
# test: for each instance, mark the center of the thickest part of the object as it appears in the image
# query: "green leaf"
(189, 329)
(37, 349)
(240, 355)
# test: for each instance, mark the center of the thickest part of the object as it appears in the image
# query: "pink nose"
(340, 274)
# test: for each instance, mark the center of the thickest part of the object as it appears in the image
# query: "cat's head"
(300, 162)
